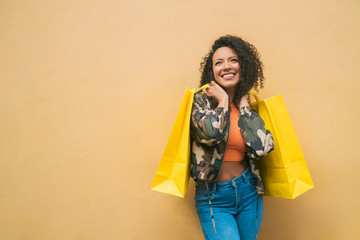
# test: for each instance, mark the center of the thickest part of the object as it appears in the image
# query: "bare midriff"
(234, 163)
(230, 170)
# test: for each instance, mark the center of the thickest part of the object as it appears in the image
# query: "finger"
(206, 91)
(216, 85)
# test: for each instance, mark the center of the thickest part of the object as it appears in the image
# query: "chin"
(228, 85)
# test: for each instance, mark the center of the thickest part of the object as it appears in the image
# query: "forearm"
(209, 125)
(256, 136)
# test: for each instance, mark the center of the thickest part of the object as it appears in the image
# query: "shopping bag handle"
(255, 96)
(202, 88)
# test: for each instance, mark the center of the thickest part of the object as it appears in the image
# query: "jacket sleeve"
(208, 126)
(258, 139)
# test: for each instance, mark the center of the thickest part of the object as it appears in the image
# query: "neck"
(231, 94)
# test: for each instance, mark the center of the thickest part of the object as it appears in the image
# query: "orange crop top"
(236, 147)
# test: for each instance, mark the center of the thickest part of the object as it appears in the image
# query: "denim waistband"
(201, 185)
(213, 186)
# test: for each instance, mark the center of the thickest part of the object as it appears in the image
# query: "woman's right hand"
(215, 91)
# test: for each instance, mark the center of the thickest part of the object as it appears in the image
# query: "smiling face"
(226, 68)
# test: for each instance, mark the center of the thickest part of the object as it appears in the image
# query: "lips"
(228, 76)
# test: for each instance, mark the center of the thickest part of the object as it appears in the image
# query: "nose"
(227, 65)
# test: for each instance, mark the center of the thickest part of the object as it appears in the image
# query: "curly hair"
(251, 67)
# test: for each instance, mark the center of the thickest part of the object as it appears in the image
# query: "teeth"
(229, 75)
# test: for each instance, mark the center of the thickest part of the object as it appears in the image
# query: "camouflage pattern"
(210, 133)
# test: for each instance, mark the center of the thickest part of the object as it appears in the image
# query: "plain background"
(89, 91)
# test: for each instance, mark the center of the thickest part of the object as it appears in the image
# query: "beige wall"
(89, 91)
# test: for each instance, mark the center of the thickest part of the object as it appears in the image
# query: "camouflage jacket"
(210, 133)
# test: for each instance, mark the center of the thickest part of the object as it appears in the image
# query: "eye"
(217, 63)
(234, 60)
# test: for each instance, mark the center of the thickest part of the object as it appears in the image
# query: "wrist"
(244, 101)
(224, 103)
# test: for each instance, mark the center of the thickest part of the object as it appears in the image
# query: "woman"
(227, 139)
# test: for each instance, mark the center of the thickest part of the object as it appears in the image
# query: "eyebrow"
(228, 58)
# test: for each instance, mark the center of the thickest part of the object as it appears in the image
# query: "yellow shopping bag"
(172, 175)
(284, 170)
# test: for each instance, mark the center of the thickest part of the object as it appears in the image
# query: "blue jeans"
(236, 206)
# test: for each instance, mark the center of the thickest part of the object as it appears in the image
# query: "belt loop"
(214, 187)
(243, 176)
